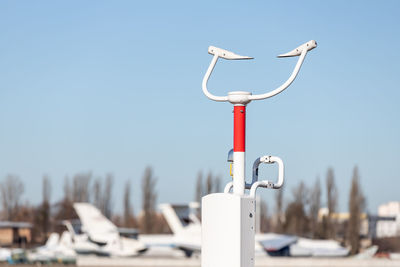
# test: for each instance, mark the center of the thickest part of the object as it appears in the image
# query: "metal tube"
(239, 148)
(205, 80)
(228, 187)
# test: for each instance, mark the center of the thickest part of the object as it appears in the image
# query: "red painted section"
(239, 128)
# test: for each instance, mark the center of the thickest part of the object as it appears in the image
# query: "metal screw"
(251, 215)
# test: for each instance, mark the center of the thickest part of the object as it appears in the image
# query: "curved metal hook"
(205, 80)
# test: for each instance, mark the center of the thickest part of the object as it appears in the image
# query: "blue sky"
(115, 86)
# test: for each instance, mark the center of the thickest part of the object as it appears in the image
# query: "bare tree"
(356, 207)
(41, 215)
(107, 196)
(199, 187)
(332, 195)
(278, 222)
(97, 194)
(80, 187)
(264, 220)
(209, 187)
(46, 191)
(315, 205)
(300, 194)
(296, 221)
(64, 209)
(199, 191)
(129, 218)
(212, 185)
(217, 184)
(149, 198)
(11, 192)
(67, 189)
(102, 194)
(45, 209)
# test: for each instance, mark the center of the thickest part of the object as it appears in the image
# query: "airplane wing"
(286, 245)
(276, 243)
(322, 248)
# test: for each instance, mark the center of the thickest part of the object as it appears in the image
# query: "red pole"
(239, 128)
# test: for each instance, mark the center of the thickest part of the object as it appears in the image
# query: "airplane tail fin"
(69, 227)
(66, 239)
(172, 218)
(96, 225)
(178, 217)
(53, 239)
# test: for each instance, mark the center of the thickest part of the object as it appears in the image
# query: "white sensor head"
(225, 53)
(297, 52)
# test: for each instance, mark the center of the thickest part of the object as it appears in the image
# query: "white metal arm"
(285, 84)
(228, 187)
(205, 80)
(218, 52)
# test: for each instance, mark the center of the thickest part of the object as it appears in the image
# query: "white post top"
(241, 97)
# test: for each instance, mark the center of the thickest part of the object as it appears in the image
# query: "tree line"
(298, 216)
(82, 187)
(302, 215)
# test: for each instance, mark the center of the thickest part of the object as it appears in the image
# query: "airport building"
(389, 228)
(15, 233)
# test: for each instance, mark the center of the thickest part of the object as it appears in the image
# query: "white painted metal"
(266, 183)
(258, 215)
(222, 53)
(239, 97)
(228, 228)
(238, 173)
(310, 45)
(228, 187)
(205, 80)
(245, 97)
(228, 225)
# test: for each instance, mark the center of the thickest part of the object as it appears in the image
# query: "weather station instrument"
(228, 218)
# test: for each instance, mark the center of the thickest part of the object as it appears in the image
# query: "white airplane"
(287, 245)
(56, 249)
(185, 226)
(5, 254)
(187, 236)
(101, 236)
(80, 242)
(185, 240)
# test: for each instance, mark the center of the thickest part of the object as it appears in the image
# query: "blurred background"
(101, 102)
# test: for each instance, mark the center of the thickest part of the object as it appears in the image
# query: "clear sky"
(115, 86)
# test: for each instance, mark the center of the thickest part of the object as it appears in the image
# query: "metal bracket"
(265, 183)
